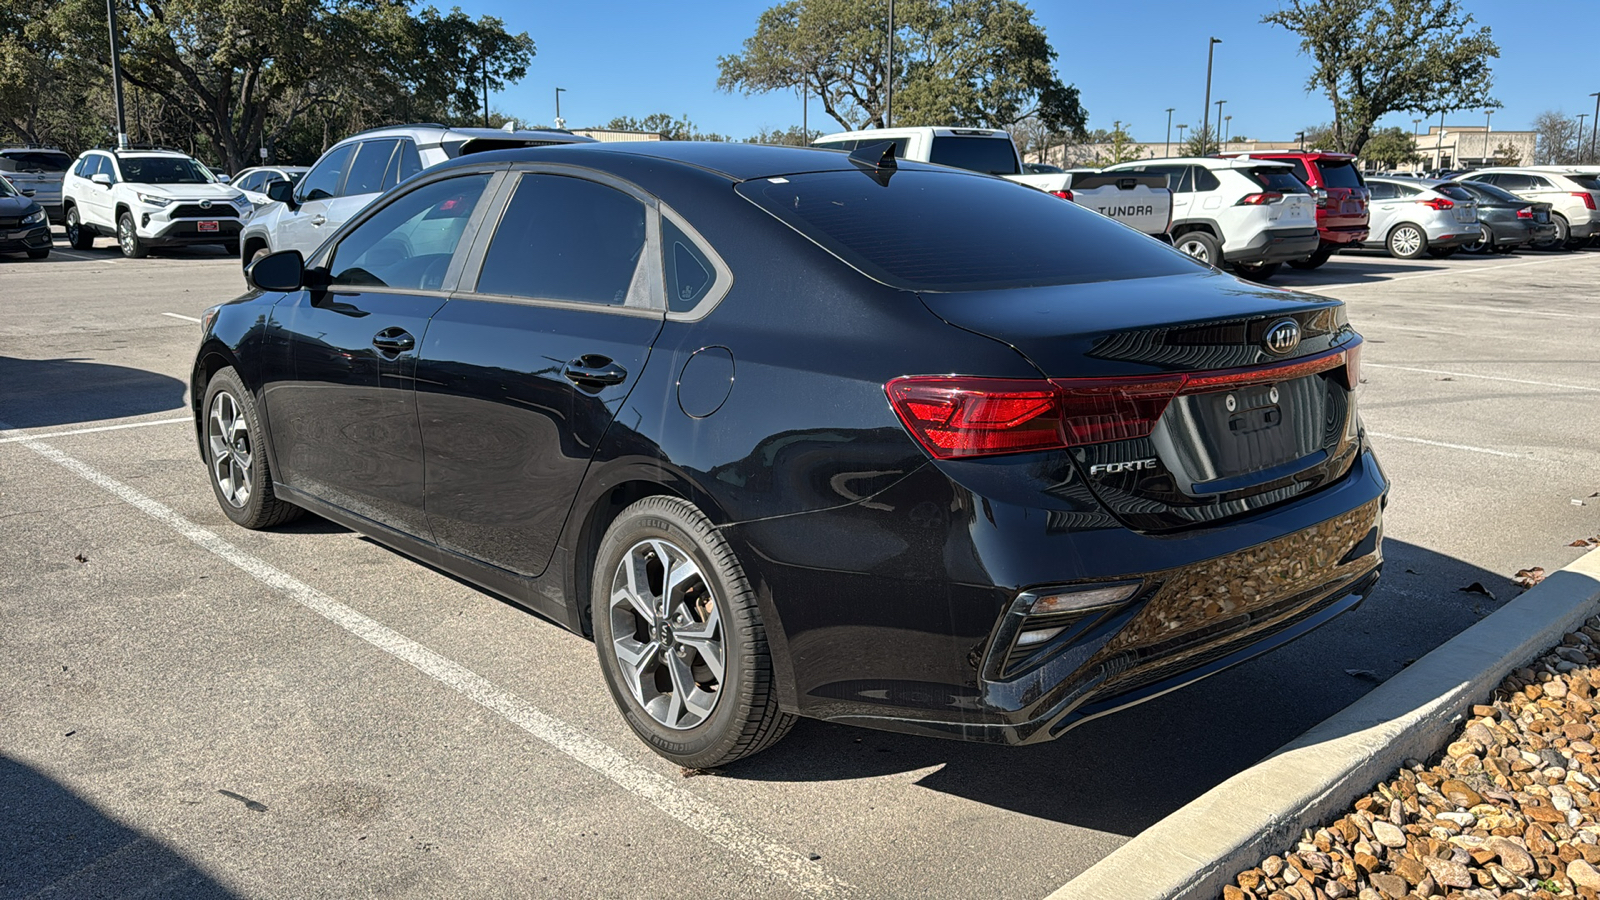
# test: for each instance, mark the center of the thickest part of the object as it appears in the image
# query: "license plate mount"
(209, 227)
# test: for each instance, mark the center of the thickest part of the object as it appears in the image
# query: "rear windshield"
(944, 231)
(1280, 180)
(33, 161)
(989, 155)
(1587, 182)
(1480, 188)
(1339, 174)
(1454, 192)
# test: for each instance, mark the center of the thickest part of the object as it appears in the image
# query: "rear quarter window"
(1587, 182)
(1281, 180)
(1339, 174)
(946, 231)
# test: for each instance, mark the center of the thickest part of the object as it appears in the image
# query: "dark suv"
(1341, 198)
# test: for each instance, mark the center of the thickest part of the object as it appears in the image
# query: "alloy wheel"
(1483, 244)
(125, 237)
(228, 438)
(1195, 249)
(1407, 241)
(666, 634)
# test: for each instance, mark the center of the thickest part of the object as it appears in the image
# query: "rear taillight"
(1588, 198)
(1065, 195)
(1525, 213)
(1437, 203)
(956, 417)
(1260, 199)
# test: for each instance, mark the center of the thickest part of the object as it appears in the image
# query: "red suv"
(1341, 198)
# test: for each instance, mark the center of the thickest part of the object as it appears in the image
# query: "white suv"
(149, 198)
(1573, 195)
(355, 171)
(1252, 214)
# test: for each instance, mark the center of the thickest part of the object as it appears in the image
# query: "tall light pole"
(486, 91)
(1581, 117)
(1594, 125)
(1219, 123)
(1227, 125)
(116, 75)
(1181, 127)
(1205, 114)
(1438, 147)
(560, 122)
(1486, 114)
(1168, 151)
(888, 79)
(1416, 141)
(1300, 136)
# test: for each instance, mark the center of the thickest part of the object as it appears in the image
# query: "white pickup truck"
(1135, 199)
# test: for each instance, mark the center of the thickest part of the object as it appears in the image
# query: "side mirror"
(28, 192)
(281, 191)
(101, 178)
(281, 271)
(224, 179)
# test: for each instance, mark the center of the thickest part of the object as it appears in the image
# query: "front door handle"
(318, 219)
(394, 340)
(592, 372)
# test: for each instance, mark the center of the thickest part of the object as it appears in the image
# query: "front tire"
(1407, 241)
(680, 638)
(128, 238)
(39, 254)
(79, 237)
(236, 456)
(1201, 246)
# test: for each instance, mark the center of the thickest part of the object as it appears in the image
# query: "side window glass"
(366, 171)
(251, 182)
(566, 239)
(1381, 190)
(1300, 170)
(1402, 191)
(688, 274)
(1205, 180)
(108, 165)
(406, 163)
(81, 167)
(408, 244)
(1512, 181)
(1538, 183)
(322, 181)
(1181, 181)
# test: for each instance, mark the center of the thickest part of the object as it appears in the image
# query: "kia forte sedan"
(789, 432)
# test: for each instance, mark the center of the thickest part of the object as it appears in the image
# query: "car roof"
(429, 134)
(939, 130)
(1209, 162)
(1297, 154)
(734, 161)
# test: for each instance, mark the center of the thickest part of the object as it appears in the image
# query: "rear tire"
(1201, 246)
(1483, 245)
(1562, 235)
(680, 637)
(1442, 252)
(1321, 255)
(79, 237)
(128, 238)
(236, 456)
(1407, 241)
(1257, 271)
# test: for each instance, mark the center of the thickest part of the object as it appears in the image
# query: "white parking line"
(56, 434)
(1504, 310)
(709, 820)
(1458, 270)
(183, 317)
(1412, 440)
(1569, 387)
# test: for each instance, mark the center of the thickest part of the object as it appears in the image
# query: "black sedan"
(24, 228)
(795, 433)
(1507, 221)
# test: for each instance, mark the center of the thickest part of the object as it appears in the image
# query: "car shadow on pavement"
(1349, 269)
(48, 392)
(59, 845)
(1123, 772)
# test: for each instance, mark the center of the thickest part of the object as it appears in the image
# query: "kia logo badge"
(1282, 337)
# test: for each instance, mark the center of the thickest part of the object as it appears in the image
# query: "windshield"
(988, 155)
(1587, 182)
(34, 161)
(1339, 174)
(6, 190)
(946, 231)
(163, 170)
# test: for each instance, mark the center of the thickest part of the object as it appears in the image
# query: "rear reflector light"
(1065, 195)
(1260, 199)
(955, 417)
(1525, 213)
(1437, 203)
(1588, 198)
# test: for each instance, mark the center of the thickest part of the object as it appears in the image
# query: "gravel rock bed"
(1511, 808)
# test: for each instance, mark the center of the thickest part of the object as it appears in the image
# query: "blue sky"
(636, 58)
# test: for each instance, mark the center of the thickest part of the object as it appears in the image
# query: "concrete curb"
(1198, 849)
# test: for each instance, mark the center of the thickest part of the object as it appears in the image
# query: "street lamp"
(1227, 123)
(1168, 152)
(888, 77)
(1581, 117)
(1416, 141)
(116, 75)
(560, 122)
(1300, 137)
(1593, 126)
(1205, 111)
(1219, 119)
(1181, 127)
(1438, 148)
(1486, 114)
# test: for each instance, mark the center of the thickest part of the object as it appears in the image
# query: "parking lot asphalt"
(191, 709)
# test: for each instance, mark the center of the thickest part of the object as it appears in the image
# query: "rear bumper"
(1585, 229)
(924, 644)
(1343, 235)
(1276, 245)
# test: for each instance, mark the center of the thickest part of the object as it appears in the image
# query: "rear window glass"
(1280, 180)
(1587, 182)
(1478, 188)
(33, 161)
(943, 231)
(1454, 192)
(989, 155)
(1339, 174)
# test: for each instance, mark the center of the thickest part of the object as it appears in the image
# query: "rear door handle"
(318, 219)
(394, 340)
(592, 371)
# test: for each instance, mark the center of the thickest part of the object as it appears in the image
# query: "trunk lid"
(1250, 426)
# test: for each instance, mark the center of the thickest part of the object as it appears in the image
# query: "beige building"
(607, 136)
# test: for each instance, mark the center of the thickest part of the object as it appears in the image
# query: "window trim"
(469, 235)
